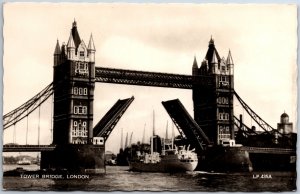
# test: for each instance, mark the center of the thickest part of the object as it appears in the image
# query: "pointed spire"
(211, 52)
(63, 48)
(211, 41)
(71, 42)
(195, 64)
(91, 45)
(75, 34)
(214, 59)
(229, 60)
(57, 50)
(74, 23)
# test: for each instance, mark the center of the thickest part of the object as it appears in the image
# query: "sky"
(151, 37)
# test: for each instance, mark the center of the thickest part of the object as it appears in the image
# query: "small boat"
(24, 162)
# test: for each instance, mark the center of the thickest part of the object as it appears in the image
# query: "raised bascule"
(215, 132)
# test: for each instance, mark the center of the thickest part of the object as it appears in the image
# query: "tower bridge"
(74, 78)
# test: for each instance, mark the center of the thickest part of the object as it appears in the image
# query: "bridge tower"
(74, 83)
(213, 88)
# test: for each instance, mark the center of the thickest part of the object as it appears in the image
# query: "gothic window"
(84, 125)
(81, 69)
(75, 110)
(81, 53)
(75, 126)
(75, 91)
(80, 110)
(223, 116)
(222, 100)
(224, 132)
(79, 91)
(224, 81)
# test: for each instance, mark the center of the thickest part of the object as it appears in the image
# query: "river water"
(120, 179)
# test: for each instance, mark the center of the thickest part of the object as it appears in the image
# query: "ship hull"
(273, 162)
(225, 159)
(167, 164)
(77, 158)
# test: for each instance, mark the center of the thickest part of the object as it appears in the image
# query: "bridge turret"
(230, 63)
(57, 53)
(91, 49)
(195, 67)
(71, 48)
(285, 126)
(214, 64)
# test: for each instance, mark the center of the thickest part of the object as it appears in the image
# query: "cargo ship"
(171, 159)
(24, 162)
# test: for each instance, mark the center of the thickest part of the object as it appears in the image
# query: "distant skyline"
(152, 37)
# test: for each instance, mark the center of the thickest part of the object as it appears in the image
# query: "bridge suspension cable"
(28, 107)
(263, 124)
(27, 129)
(14, 134)
(244, 128)
(39, 125)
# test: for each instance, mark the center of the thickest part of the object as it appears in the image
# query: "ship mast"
(130, 140)
(173, 135)
(167, 131)
(153, 133)
(153, 123)
(121, 139)
(143, 140)
(126, 141)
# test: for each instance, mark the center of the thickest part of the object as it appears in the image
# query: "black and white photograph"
(149, 97)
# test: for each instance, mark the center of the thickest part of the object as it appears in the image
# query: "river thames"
(119, 178)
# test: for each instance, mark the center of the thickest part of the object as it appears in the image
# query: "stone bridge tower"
(213, 89)
(74, 82)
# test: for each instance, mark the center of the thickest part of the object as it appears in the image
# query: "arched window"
(75, 91)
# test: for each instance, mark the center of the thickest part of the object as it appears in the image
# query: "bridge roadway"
(27, 148)
(269, 150)
(39, 148)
